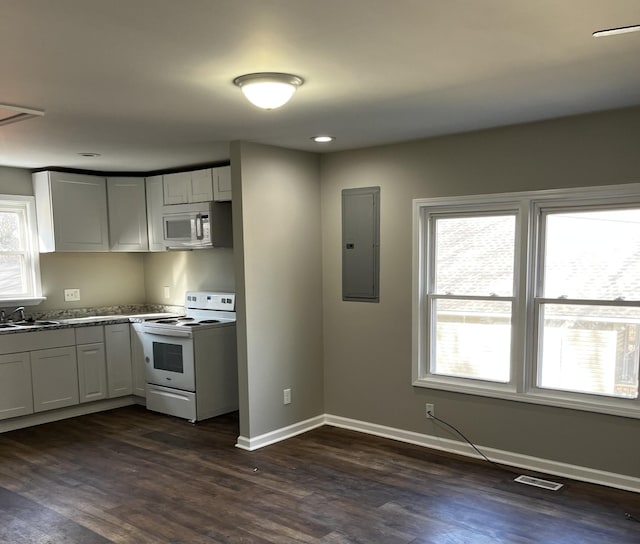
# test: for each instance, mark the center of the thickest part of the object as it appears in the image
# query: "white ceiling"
(148, 83)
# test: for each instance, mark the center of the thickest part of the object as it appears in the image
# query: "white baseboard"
(64, 413)
(517, 460)
(520, 461)
(278, 435)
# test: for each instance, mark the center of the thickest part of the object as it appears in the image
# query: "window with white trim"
(19, 265)
(531, 296)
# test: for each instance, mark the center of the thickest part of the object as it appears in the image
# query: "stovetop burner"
(203, 310)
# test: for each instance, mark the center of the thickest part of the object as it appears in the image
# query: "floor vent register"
(538, 482)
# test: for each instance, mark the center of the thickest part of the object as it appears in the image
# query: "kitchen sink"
(36, 323)
(27, 323)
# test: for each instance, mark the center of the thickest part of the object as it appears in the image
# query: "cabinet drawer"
(171, 401)
(90, 335)
(33, 340)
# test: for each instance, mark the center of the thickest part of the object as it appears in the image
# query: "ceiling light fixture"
(614, 31)
(89, 154)
(323, 139)
(12, 114)
(268, 90)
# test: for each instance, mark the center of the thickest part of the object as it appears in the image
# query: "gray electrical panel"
(361, 244)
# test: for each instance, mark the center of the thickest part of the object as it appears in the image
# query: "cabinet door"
(92, 372)
(118, 346)
(177, 188)
(154, 213)
(137, 360)
(127, 214)
(79, 207)
(222, 183)
(54, 375)
(16, 398)
(201, 186)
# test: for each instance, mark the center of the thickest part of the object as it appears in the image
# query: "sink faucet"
(18, 310)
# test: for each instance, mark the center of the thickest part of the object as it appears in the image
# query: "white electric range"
(190, 361)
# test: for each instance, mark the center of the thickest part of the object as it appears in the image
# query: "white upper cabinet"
(127, 214)
(71, 211)
(187, 187)
(201, 186)
(221, 183)
(154, 213)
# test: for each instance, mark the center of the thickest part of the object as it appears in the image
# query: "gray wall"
(277, 243)
(15, 181)
(104, 279)
(368, 346)
(198, 270)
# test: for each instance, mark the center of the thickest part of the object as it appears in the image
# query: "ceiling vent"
(13, 114)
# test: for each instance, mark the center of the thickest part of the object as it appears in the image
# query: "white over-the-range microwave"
(198, 225)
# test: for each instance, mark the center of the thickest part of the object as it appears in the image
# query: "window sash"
(528, 279)
(27, 252)
(445, 340)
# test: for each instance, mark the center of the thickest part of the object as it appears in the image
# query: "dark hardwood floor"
(132, 476)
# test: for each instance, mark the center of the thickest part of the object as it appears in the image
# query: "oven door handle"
(167, 333)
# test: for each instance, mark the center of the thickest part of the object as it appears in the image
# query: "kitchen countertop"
(87, 321)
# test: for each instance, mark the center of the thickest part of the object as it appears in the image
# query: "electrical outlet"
(71, 295)
(429, 411)
(167, 291)
(286, 396)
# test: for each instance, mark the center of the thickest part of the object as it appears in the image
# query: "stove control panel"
(207, 300)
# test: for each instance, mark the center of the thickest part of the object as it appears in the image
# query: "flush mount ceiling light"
(268, 90)
(323, 139)
(89, 154)
(12, 114)
(614, 31)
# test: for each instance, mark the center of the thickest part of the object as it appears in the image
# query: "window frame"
(26, 205)
(528, 268)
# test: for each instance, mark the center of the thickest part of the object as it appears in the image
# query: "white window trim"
(521, 388)
(28, 204)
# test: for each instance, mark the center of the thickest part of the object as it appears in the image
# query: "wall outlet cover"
(71, 295)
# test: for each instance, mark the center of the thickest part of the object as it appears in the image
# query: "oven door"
(169, 360)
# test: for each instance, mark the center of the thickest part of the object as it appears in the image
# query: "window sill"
(602, 405)
(27, 301)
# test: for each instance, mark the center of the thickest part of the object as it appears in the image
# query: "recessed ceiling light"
(323, 139)
(268, 90)
(89, 154)
(614, 31)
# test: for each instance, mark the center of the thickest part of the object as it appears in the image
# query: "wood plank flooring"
(132, 476)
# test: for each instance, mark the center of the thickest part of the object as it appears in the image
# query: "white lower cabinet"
(118, 347)
(92, 363)
(54, 375)
(16, 398)
(92, 372)
(137, 360)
